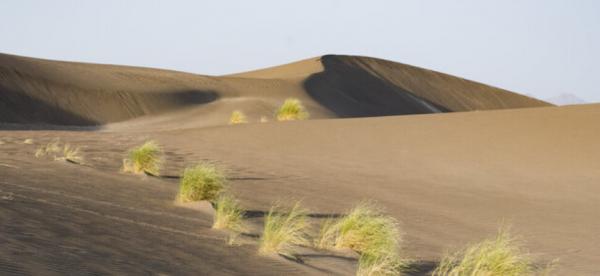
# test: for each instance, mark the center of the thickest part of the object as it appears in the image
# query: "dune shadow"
(350, 91)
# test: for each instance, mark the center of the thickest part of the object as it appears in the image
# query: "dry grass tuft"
(283, 230)
(60, 153)
(501, 255)
(237, 117)
(369, 232)
(292, 109)
(28, 141)
(144, 159)
(204, 181)
(229, 215)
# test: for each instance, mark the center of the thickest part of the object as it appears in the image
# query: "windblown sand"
(450, 177)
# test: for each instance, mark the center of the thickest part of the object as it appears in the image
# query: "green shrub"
(144, 159)
(283, 230)
(202, 182)
(237, 117)
(502, 255)
(292, 109)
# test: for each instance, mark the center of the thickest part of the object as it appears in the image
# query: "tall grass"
(371, 233)
(292, 109)
(501, 255)
(284, 229)
(237, 117)
(144, 159)
(228, 215)
(204, 181)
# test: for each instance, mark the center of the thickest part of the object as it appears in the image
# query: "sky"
(540, 48)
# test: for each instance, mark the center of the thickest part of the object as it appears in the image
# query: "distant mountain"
(565, 99)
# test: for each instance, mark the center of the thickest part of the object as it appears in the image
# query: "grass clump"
(292, 109)
(144, 159)
(70, 154)
(237, 117)
(229, 215)
(28, 141)
(284, 229)
(501, 255)
(366, 230)
(204, 181)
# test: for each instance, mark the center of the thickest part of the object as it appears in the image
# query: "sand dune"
(67, 93)
(450, 178)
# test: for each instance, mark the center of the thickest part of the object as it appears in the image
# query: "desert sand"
(450, 158)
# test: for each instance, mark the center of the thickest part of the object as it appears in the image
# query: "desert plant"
(501, 255)
(229, 215)
(237, 117)
(144, 159)
(292, 109)
(28, 141)
(284, 229)
(365, 230)
(264, 119)
(380, 265)
(70, 154)
(204, 181)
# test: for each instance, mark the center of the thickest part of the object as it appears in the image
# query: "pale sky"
(541, 48)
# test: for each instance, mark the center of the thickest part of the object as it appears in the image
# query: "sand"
(451, 177)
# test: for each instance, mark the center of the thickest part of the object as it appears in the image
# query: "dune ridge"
(69, 93)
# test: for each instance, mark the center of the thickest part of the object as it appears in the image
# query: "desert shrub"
(70, 154)
(501, 255)
(380, 265)
(264, 119)
(284, 229)
(292, 109)
(204, 181)
(144, 159)
(229, 215)
(369, 232)
(50, 148)
(28, 141)
(365, 230)
(237, 117)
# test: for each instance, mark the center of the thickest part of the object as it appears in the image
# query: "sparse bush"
(264, 119)
(229, 215)
(292, 109)
(365, 229)
(502, 255)
(237, 117)
(380, 265)
(60, 153)
(70, 154)
(144, 159)
(204, 181)
(369, 232)
(283, 230)
(28, 141)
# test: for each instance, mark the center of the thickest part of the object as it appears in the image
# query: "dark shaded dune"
(52, 92)
(362, 86)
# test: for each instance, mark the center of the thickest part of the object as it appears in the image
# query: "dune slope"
(69, 93)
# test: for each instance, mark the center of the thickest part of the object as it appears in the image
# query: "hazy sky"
(542, 48)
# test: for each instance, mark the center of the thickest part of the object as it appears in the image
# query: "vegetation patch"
(283, 230)
(501, 255)
(237, 117)
(371, 233)
(61, 153)
(229, 216)
(292, 109)
(204, 181)
(144, 159)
